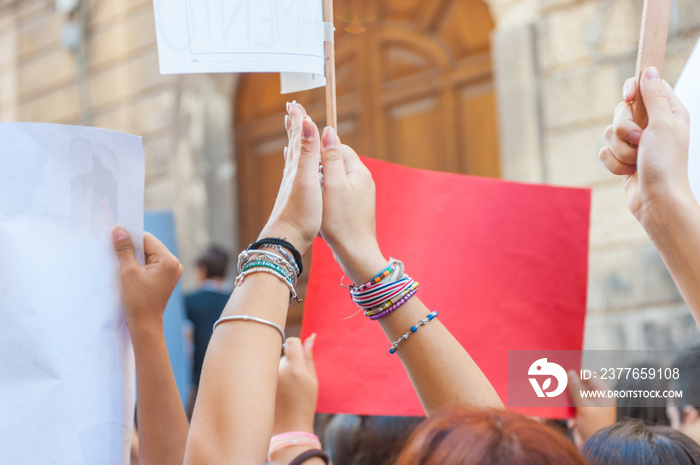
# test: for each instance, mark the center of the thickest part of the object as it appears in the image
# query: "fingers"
(310, 150)
(309, 352)
(654, 96)
(614, 165)
(157, 252)
(124, 248)
(332, 157)
(629, 90)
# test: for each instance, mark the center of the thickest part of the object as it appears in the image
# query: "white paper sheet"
(238, 36)
(66, 362)
(688, 90)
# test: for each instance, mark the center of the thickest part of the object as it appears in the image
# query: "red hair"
(487, 437)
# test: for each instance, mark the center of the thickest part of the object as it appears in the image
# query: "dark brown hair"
(487, 437)
(214, 261)
(633, 441)
(367, 440)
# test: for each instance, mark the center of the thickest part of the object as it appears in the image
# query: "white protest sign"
(687, 91)
(66, 362)
(239, 36)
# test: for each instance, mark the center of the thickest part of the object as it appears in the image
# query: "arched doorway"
(414, 87)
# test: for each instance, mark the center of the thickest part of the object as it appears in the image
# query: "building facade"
(518, 89)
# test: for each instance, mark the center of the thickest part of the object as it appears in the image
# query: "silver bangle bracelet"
(255, 320)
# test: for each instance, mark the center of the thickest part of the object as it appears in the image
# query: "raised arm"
(145, 293)
(233, 416)
(654, 165)
(442, 372)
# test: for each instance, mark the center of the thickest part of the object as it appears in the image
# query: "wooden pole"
(652, 48)
(329, 47)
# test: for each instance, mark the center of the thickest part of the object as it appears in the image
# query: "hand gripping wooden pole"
(329, 47)
(652, 48)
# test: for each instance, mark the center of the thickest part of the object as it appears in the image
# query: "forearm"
(161, 416)
(443, 374)
(674, 227)
(233, 416)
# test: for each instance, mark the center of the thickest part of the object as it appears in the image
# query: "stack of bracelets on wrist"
(295, 438)
(385, 292)
(280, 263)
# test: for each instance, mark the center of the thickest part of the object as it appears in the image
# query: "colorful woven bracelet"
(395, 306)
(411, 286)
(381, 294)
(413, 329)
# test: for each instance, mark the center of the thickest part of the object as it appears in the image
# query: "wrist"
(361, 263)
(665, 209)
(145, 327)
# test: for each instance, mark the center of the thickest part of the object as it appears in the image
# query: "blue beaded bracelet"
(413, 329)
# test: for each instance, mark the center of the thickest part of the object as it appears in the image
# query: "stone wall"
(185, 121)
(560, 66)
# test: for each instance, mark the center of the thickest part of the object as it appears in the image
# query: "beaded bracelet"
(271, 242)
(248, 256)
(410, 288)
(292, 291)
(395, 306)
(413, 329)
(267, 264)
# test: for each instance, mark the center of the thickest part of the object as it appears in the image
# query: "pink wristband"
(293, 438)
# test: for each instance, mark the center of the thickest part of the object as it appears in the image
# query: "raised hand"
(653, 161)
(296, 215)
(349, 210)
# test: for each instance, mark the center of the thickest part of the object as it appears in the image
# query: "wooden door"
(414, 87)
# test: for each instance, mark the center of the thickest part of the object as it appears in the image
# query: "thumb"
(123, 247)
(654, 96)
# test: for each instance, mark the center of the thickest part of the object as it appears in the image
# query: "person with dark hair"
(367, 440)
(684, 413)
(203, 307)
(632, 442)
(488, 437)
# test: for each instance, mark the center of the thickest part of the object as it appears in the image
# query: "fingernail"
(294, 102)
(287, 123)
(285, 152)
(330, 139)
(289, 105)
(635, 136)
(572, 374)
(307, 125)
(626, 91)
(310, 341)
(652, 74)
(119, 233)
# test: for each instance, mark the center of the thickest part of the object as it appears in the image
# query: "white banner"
(240, 36)
(66, 362)
(688, 90)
